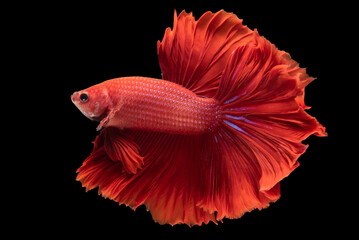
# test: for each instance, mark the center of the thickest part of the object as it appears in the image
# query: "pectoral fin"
(109, 116)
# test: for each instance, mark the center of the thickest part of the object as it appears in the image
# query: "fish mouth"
(73, 97)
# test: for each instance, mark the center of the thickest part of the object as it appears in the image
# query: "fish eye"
(84, 97)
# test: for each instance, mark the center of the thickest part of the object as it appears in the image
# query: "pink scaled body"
(159, 105)
(150, 104)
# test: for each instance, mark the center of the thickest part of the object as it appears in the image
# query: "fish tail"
(261, 130)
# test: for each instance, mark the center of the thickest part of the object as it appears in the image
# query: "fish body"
(213, 138)
(152, 104)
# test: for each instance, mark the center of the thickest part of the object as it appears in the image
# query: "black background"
(85, 44)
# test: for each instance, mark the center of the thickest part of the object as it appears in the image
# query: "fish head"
(93, 102)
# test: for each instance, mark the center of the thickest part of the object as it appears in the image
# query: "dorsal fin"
(194, 53)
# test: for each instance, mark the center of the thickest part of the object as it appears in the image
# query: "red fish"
(211, 139)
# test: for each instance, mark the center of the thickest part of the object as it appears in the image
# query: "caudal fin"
(259, 96)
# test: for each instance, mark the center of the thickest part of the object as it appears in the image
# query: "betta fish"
(213, 137)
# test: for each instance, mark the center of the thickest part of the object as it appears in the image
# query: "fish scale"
(159, 105)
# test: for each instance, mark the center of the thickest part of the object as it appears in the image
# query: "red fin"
(170, 185)
(195, 53)
(174, 176)
(299, 74)
(120, 146)
(98, 170)
(210, 177)
(104, 122)
(261, 110)
(257, 83)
